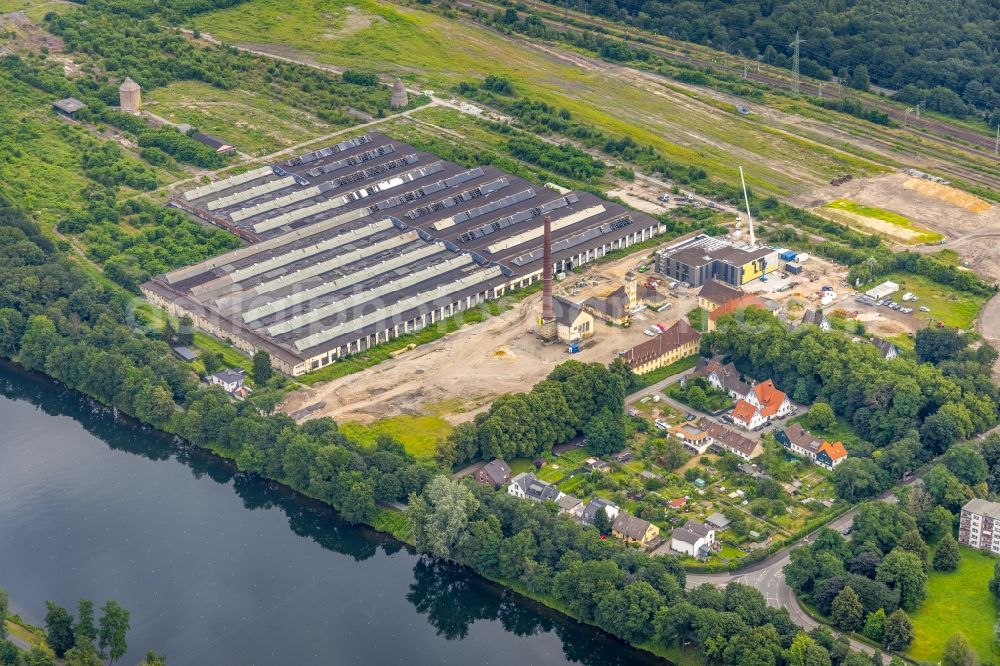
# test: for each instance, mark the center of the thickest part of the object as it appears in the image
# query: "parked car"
(924, 308)
(690, 417)
(664, 198)
(661, 424)
(660, 326)
(651, 332)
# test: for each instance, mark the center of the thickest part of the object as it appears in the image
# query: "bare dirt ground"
(459, 375)
(971, 227)
(988, 326)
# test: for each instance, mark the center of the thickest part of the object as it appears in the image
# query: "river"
(221, 568)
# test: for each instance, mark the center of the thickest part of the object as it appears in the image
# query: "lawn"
(954, 308)
(418, 434)
(433, 51)
(253, 122)
(660, 374)
(958, 601)
(715, 400)
(231, 357)
(842, 431)
(520, 465)
(881, 221)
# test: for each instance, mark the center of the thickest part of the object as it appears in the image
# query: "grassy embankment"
(958, 601)
(883, 222)
(419, 435)
(255, 123)
(438, 52)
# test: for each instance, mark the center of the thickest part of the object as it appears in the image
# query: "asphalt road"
(768, 578)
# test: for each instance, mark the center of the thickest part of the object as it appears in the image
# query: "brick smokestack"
(547, 310)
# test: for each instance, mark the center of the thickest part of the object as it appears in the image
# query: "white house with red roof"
(746, 416)
(763, 403)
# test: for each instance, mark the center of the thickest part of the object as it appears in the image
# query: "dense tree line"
(855, 108)
(909, 411)
(562, 159)
(941, 54)
(55, 319)
(628, 593)
(539, 116)
(575, 399)
(870, 583)
(865, 254)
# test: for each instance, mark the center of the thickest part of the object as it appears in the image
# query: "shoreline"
(672, 657)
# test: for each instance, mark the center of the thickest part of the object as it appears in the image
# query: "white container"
(802, 258)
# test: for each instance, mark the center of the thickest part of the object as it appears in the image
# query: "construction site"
(370, 239)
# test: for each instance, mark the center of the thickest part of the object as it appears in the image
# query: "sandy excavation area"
(971, 226)
(460, 374)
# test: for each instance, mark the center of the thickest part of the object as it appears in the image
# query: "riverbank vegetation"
(81, 641)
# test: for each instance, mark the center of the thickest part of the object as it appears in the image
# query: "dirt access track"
(460, 374)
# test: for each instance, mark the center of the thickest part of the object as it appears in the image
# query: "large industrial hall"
(369, 239)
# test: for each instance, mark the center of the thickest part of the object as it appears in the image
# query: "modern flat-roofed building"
(701, 259)
(370, 239)
(887, 288)
(979, 525)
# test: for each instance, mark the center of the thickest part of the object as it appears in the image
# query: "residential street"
(768, 578)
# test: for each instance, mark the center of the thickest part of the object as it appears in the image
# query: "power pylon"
(795, 62)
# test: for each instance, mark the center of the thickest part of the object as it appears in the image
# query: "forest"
(941, 54)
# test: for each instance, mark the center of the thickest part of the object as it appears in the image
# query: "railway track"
(946, 133)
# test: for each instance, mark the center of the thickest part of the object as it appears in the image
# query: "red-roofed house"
(678, 503)
(731, 306)
(763, 403)
(769, 400)
(831, 455)
(747, 416)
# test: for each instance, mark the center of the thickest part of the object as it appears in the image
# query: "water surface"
(222, 568)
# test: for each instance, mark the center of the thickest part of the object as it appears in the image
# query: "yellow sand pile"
(947, 193)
